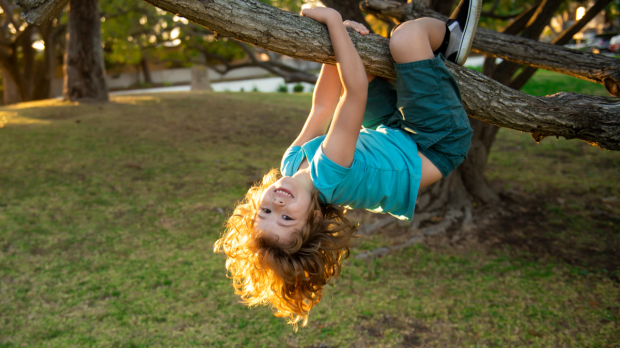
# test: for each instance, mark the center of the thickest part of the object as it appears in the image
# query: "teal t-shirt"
(383, 178)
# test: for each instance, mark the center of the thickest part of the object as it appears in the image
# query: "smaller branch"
(519, 23)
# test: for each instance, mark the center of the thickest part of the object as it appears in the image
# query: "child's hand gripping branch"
(286, 239)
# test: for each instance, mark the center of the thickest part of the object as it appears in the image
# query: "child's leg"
(429, 100)
(417, 40)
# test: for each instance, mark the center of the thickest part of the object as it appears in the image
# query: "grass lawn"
(108, 214)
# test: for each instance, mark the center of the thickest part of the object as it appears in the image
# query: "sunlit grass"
(108, 214)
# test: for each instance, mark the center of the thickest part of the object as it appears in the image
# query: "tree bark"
(84, 69)
(40, 12)
(592, 67)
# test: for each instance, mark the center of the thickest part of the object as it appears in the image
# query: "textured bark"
(592, 67)
(84, 70)
(593, 119)
(39, 12)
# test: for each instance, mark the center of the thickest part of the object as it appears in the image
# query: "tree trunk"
(44, 89)
(11, 90)
(146, 71)
(84, 69)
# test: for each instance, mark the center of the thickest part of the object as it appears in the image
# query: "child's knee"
(405, 36)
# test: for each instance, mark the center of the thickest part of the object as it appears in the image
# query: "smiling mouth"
(285, 192)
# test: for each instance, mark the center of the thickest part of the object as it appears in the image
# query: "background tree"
(83, 66)
(136, 33)
(28, 55)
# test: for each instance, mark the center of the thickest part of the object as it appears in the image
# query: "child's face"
(283, 209)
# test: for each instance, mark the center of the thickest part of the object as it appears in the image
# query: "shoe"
(462, 26)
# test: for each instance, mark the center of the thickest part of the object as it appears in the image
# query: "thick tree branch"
(592, 67)
(39, 12)
(593, 119)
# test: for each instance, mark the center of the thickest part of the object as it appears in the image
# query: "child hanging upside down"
(286, 239)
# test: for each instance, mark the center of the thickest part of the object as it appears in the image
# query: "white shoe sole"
(469, 31)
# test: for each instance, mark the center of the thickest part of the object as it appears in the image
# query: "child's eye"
(267, 210)
(286, 217)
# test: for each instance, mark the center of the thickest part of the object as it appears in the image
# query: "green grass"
(108, 214)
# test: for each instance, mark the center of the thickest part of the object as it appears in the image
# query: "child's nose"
(277, 201)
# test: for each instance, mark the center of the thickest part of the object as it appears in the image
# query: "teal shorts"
(425, 101)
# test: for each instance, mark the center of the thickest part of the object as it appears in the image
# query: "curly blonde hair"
(288, 277)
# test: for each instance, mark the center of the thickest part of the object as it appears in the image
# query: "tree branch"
(39, 12)
(592, 119)
(592, 67)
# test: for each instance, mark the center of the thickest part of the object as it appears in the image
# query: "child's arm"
(324, 102)
(339, 145)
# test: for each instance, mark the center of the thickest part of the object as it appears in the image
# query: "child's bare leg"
(416, 40)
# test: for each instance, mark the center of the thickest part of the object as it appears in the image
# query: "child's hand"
(359, 27)
(321, 14)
